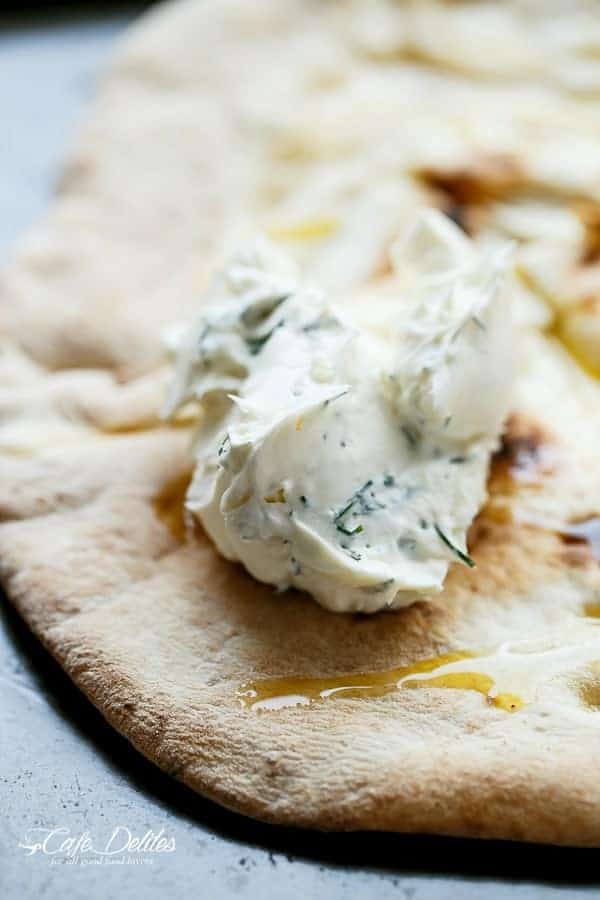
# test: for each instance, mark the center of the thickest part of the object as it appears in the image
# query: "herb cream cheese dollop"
(343, 450)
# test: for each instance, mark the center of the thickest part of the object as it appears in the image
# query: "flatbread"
(214, 120)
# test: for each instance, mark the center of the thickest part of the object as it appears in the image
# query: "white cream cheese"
(344, 451)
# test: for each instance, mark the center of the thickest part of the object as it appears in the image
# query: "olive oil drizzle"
(275, 693)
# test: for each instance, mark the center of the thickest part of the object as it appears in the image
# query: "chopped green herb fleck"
(462, 556)
(457, 460)
(349, 532)
(389, 480)
(323, 321)
(255, 344)
(357, 497)
(351, 553)
(406, 543)
(204, 333)
(343, 511)
(223, 446)
(255, 313)
(333, 399)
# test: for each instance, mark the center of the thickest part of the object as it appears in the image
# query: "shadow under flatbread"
(23, 15)
(393, 853)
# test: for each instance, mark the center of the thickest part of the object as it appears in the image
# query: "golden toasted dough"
(494, 730)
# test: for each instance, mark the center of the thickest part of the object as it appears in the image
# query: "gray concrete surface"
(62, 767)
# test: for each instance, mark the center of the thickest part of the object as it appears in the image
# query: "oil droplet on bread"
(276, 693)
(471, 681)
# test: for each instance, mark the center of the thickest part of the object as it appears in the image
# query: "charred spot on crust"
(461, 192)
(459, 188)
(582, 540)
(493, 527)
(450, 196)
(490, 177)
(480, 530)
(526, 455)
(459, 215)
(588, 213)
(576, 556)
